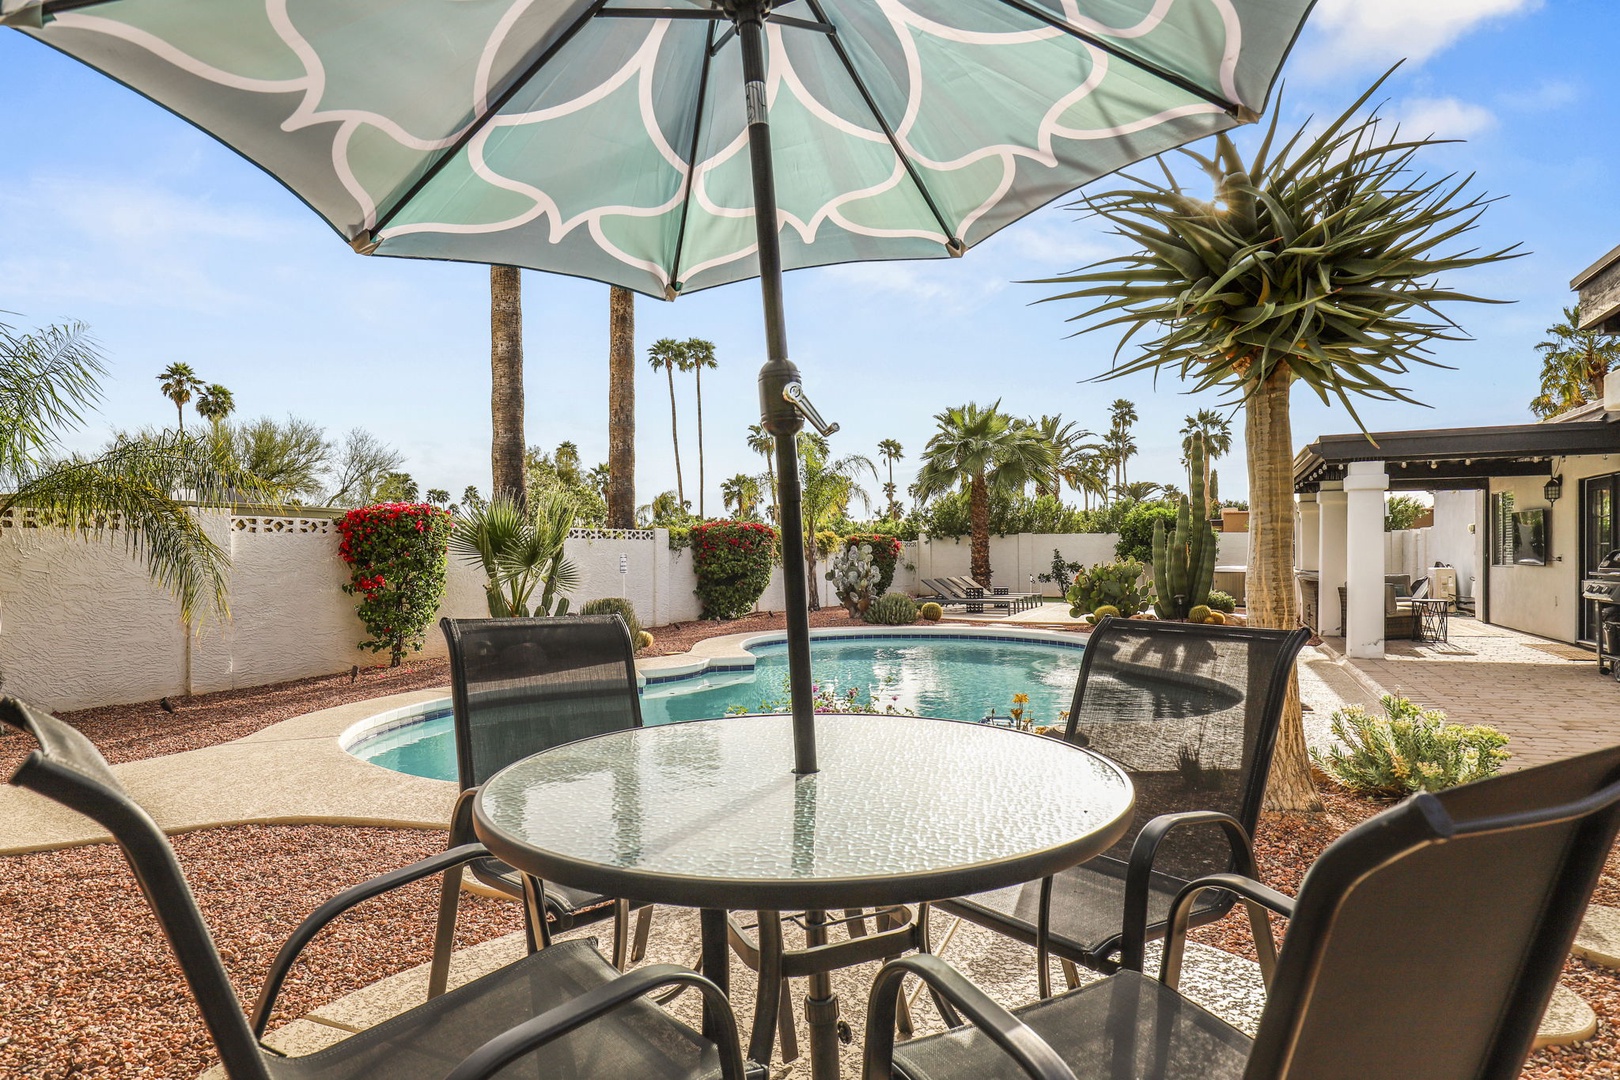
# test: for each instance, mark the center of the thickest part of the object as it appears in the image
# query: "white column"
(1364, 487)
(1330, 554)
(1309, 547)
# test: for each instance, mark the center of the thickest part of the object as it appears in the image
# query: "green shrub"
(733, 564)
(1121, 584)
(614, 605)
(885, 553)
(931, 612)
(892, 609)
(397, 556)
(1225, 603)
(1136, 530)
(1407, 750)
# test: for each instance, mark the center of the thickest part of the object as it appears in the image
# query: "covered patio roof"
(1454, 457)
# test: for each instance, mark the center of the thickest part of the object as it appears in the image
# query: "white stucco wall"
(1458, 536)
(1014, 558)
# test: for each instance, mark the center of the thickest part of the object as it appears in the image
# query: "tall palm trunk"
(675, 437)
(697, 372)
(979, 524)
(621, 493)
(1270, 584)
(506, 382)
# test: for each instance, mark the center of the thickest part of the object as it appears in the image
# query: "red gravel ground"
(91, 991)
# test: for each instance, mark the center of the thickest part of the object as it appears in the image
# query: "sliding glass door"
(1600, 534)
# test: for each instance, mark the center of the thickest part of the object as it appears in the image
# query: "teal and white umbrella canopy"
(588, 138)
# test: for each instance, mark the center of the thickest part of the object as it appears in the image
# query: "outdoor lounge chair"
(564, 1010)
(1019, 600)
(1425, 943)
(1191, 712)
(973, 596)
(520, 686)
(937, 593)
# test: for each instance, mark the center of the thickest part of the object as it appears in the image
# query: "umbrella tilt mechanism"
(794, 393)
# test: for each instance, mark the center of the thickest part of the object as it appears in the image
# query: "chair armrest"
(1139, 872)
(1028, 1049)
(1257, 898)
(510, 1045)
(343, 901)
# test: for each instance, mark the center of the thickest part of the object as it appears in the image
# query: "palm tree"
(214, 404)
(178, 382)
(1072, 450)
(741, 494)
(620, 493)
(763, 443)
(666, 506)
(1121, 447)
(600, 478)
(506, 383)
(48, 380)
(1573, 364)
(980, 449)
(1139, 491)
(891, 451)
(566, 461)
(828, 487)
(1090, 478)
(1217, 432)
(669, 356)
(699, 355)
(1321, 263)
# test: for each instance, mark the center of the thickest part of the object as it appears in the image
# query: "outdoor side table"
(1431, 619)
(708, 814)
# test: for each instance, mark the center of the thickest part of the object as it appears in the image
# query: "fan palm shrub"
(1318, 263)
(520, 551)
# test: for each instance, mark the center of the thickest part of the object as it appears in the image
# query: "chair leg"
(638, 951)
(787, 1031)
(888, 920)
(947, 1012)
(621, 932)
(535, 925)
(444, 934)
(1071, 974)
(771, 1003)
(856, 924)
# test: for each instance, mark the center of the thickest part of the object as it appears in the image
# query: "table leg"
(716, 961)
(821, 1006)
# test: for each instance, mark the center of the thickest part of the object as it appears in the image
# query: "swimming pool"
(949, 675)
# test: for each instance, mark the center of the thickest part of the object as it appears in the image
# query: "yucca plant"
(520, 551)
(1320, 262)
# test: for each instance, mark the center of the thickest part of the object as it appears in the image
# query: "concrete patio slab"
(1598, 939)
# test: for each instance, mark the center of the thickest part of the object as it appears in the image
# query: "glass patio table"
(708, 814)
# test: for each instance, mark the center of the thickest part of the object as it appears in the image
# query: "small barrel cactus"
(892, 609)
(931, 612)
(1199, 613)
(1104, 611)
(644, 640)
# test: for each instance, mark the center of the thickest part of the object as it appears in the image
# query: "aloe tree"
(1573, 365)
(980, 449)
(1319, 262)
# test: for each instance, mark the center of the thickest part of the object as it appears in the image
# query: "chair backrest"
(1191, 711)
(1427, 941)
(68, 769)
(520, 686)
(966, 583)
(946, 587)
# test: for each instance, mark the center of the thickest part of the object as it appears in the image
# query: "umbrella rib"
(481, 120)
(691, 160)
(1235, 109)
(952, 242)
(52, 7)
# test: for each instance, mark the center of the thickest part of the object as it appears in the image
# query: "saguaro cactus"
(1184, 562)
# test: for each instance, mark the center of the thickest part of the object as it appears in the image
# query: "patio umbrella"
(632, 142)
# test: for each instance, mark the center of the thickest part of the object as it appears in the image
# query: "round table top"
(709, 813)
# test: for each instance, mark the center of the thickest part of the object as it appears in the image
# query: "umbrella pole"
(780, 417)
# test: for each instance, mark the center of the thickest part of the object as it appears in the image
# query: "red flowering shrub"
(396, 557)
(733, 563)
(885, 552)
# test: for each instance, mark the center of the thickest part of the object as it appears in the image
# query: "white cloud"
(1357, 33)
(941, 281)
(1447, 117)
(1546, 96)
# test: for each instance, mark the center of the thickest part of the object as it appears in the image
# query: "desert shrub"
(616, 605)
(1222, 602)
(1062, 572)
(931, 612)
(1121, 584)
(885, 554)
(892, 609)
(733, 564)
(397, 557)
(1136, 530)
(1407, 750)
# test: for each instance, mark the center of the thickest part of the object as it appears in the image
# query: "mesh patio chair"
(1425, 943)
(520, 686)
(562, 1011)
(1191, 711)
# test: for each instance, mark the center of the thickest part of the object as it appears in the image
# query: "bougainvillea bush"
(733, 563)
(396, 557)
(885, 552)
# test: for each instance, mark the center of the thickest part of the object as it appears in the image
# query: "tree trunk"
(810, 570)
(675, 437)
(621, 493)
(1271, 599)
(506, 382)
(697, 373)
(979, 524)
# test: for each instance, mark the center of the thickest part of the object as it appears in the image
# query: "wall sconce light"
(1554, 489)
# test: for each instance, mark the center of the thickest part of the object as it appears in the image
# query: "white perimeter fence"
(81, 625)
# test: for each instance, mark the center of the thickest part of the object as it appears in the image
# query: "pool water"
(947, 677)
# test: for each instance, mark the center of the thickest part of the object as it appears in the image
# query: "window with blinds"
(1504, 533)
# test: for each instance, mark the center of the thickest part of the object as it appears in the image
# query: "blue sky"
(171, 248)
